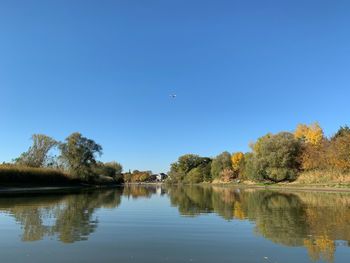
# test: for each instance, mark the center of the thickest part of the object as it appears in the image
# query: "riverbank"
(27, 180)
(276, 186)
(9, 191)
(37, 190)
(287, 186)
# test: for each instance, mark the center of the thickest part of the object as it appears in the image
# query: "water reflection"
(315, 221)
(69, 217)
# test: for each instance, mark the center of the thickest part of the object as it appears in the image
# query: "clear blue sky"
(106, 68)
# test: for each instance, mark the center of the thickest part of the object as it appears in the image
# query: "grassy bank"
(13, 176)
(323, 177)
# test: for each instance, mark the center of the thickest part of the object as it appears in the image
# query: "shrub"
(227, 175)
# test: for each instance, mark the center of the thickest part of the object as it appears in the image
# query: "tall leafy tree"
(79, 155)
(220, 163)
(339, 153)
(277, 157)
(312, 134)
(37, 154)
(237, 163)
(185, 163)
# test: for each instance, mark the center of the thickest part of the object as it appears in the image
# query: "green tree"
(79, 153)
(110, 169)
(250, 169)
(37, 154)
(180, 169)
(277, 157)
(115, 169)
(199, 174)
(220, 163)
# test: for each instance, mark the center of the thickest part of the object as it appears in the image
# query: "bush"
(227, 175)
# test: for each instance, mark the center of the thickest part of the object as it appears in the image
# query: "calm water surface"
(176, 224)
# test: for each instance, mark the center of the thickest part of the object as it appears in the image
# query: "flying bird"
(173, 96)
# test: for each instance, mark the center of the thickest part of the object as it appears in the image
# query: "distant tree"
(316, 157)
(339, 153)
(79, 153)
(312, 134)
(205, 169)
(189, 161)
(343, 130)
(140, 176)
(237, 163)
(37, 154)
(250, 169)
(185, 163)
(116, 167)
(194, 176)
(278, 157)
(127, 177)
(199, 174)
(219, 163)
(111, 169)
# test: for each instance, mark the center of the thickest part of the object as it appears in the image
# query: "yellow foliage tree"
(312, 134)
(236, 159)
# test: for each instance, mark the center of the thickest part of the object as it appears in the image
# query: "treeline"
(286, 156)
(75, 162)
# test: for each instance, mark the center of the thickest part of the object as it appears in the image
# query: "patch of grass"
(31, 177)
(324, 177)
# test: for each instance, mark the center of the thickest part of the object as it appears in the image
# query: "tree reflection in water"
(69, 217)
(310, 219)
(313, 220)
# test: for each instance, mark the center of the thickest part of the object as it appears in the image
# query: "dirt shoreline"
(288, 187)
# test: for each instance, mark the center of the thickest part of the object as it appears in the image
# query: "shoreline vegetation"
(302, 159)
(49, 163)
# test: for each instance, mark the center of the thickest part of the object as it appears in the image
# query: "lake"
(176, 224)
